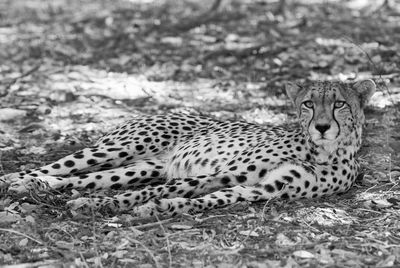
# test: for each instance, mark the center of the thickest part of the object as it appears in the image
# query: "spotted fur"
(179, 163)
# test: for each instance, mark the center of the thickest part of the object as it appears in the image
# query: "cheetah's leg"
(136, 174)
(96, 158)
(290, 181)
(179, 205)
(272, 183)
(67, 165)
(188, 187)
(286, 181)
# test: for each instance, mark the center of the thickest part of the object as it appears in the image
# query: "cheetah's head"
(330, 111)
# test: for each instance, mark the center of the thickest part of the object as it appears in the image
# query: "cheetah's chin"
(327, 144)
(321, 141)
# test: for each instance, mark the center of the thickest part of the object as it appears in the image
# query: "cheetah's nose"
(322, 128)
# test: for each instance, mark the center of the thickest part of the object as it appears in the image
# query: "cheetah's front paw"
(7, 179)
(160, 207)
(149, 209)
(28, 184)
(94, 203)
(166, 207)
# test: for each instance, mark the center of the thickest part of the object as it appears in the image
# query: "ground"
(70, 70)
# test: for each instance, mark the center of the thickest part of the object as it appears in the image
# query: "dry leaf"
(181, 227)
(284, 241)
(30, 219)
(7, 114)
(249, 233)
(23, 242)
(303, 254)
(64, 245)
(7, 217)
(113, 224)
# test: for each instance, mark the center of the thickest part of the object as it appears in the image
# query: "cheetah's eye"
(339, 104)
(308, 104)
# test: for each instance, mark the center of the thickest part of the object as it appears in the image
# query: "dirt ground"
(71, 70)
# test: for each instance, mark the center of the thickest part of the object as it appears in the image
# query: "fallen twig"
(46, 263)
(14, 80)
(22, 234)
(152, 224)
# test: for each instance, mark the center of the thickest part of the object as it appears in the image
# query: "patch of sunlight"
(382, 99)
(264, 116)
(374, 196)
(244, 99)
(360, 4)
(352, 4)
(342, 42)
(142, 1)
(347, 77)
(85, 117)
(7, 34)
(325, 216)
(172, 40)
(305, 2)
(42, 4)
(236, 42)
(85, 81)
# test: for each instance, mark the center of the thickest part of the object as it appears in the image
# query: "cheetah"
(178, 163)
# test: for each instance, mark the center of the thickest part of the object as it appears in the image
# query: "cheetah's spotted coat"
(193, 163)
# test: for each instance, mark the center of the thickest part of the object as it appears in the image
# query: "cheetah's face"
(330, 111)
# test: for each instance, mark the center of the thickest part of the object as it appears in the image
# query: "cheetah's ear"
(292, 90)
(365, 90)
